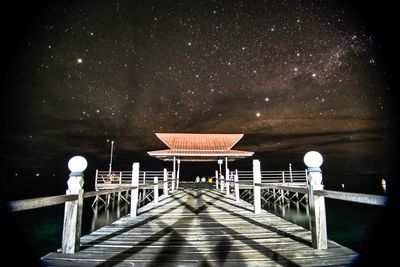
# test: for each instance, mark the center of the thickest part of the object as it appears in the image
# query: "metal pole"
(111, 155)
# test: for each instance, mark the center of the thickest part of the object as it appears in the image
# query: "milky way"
(291, 75)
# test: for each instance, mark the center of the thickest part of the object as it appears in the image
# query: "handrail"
(40, 202)
(34, 203)
(106, 192)
(345, 196)
(296, 189)
(353, 197)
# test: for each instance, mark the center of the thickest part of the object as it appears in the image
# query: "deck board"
(201, 228)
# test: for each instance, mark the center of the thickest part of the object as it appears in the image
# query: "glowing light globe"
(77, 164)
(313, 159)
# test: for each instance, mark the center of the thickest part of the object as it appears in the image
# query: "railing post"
(173, 175)
(178, 174)
(120, 182)
(165, 182)
(155, 193)
(256, 186)
(221, 177)
(216, 180)
(73, 209)
(314, 160)
(135, 190)
(290, 172)
(227, 182)
(236, 180)
(95, 180)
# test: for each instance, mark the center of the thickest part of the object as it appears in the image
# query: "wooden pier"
(201, 227)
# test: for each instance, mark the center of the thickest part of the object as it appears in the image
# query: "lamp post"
(313, 161)
(111, 156)
(73, 209)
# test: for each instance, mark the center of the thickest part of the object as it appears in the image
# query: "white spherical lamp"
(313, 159)
(77, 164)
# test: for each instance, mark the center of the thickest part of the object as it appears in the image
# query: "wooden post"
(173, 175)
(165, 182)
(216, 180)
(282, 192)
(95, 180)
(135, 191)
(256, 188)
(221, 177)
(227, 182)
(237, 186)
(120, 182)
(226, 175)
(290, 172)
(155, 190)
(73, 209)
(313, 160)
(178, 174)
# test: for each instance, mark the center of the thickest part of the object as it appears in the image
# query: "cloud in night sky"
(291, 75)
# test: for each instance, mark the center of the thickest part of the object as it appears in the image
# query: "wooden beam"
(34, 203)
(353, 197)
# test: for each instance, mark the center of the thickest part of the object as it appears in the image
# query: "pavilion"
(199, 148)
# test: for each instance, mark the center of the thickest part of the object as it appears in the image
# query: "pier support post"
(165, 191)
(216, 180)
(256, 186)
(73, 209)
(221, 177)
(236, 180)
(227, 183)
(155, 190)
(314, 160)
(135, 190)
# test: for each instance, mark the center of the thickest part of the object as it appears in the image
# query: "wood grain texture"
(201, 228)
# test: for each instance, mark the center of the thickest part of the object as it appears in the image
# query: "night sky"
(292, 76)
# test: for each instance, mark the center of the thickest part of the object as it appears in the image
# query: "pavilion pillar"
(219, 179)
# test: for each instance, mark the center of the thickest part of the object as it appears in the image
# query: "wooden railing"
(313, 191)
(73, 200)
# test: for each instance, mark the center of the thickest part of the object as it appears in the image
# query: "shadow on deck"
(198, 226)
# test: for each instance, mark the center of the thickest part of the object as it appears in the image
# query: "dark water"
(42, 228)
(349, 224)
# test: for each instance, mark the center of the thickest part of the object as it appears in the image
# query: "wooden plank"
(201, 227)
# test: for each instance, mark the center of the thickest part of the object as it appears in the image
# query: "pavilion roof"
(199, 147)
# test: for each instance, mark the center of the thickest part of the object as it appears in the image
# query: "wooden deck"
(195, 227)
